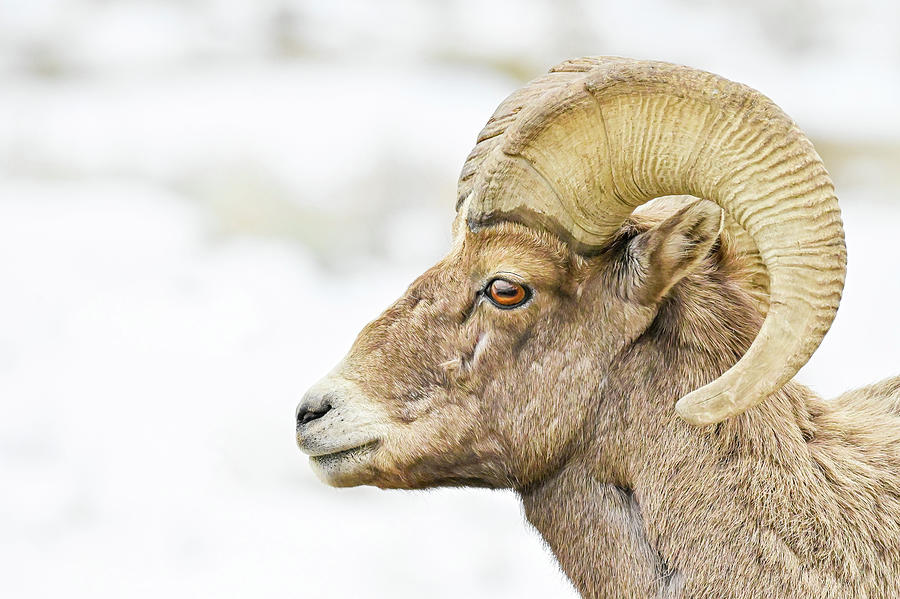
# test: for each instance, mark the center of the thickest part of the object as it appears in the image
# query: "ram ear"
(663, 255)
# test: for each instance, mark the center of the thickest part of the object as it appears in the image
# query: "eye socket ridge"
(506, 294)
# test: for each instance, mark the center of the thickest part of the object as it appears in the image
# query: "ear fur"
(666, 253)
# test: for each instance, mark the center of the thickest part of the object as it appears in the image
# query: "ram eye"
(506, 294)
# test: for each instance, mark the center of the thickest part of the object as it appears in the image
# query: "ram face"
(488, 368)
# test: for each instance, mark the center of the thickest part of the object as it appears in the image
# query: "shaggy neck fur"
(793, 498)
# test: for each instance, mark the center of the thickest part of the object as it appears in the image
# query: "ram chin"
(347, 468)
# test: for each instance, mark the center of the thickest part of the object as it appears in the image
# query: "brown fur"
(569, 400)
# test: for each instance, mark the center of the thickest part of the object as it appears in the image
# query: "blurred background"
(202, 202)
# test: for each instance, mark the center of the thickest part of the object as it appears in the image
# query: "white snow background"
(201, 203)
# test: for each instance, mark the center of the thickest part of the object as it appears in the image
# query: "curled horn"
(577, 150)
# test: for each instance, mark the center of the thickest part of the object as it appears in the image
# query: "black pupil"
(504, 289)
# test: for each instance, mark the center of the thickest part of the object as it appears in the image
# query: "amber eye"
(507, 294)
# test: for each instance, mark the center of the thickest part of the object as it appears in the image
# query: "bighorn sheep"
(629, 375)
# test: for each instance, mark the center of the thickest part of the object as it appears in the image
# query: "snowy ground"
(194, 225)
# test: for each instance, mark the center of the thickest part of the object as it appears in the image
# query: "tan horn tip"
(700, 408)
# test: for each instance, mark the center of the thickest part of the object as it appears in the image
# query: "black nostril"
(308, 412)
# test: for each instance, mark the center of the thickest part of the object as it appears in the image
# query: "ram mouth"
(353, 452)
